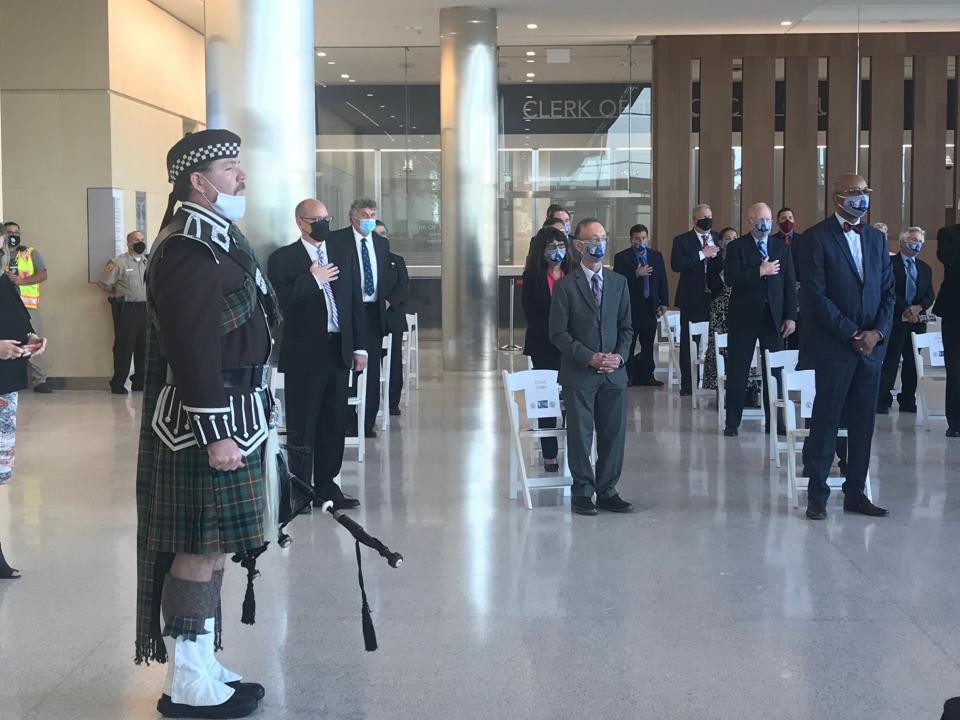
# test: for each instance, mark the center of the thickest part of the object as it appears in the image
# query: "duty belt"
(245, 377)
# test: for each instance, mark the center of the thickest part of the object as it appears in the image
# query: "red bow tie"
(858, 228)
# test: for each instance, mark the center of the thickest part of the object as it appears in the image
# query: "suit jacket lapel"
(841, 240)
(586, 290)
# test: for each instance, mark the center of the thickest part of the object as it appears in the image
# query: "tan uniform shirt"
(123, 277)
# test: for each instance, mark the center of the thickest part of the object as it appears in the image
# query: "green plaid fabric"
(184, 506)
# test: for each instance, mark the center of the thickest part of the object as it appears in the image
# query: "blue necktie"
(368, 288)
(762, 248)
(646, 278)
(911, 290)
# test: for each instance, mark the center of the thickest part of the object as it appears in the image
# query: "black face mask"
(320, 230)
(13, 241)
(705, 224)
(139, 247)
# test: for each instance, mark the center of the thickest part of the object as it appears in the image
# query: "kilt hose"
(184, 506)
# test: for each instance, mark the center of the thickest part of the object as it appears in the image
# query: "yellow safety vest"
(30, 294)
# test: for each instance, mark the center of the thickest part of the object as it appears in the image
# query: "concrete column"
(260, 84)
(468, 196)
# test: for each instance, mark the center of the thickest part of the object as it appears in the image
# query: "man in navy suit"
(696, 257)
(913, 282)
(848, 302)
(646, 275)
(787, 232)
(763, 306)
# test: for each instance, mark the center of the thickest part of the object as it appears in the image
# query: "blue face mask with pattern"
(762, 227)
(595, 250)
(555, 256)
(856, 205)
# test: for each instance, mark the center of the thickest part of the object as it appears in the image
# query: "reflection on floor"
(715, 600)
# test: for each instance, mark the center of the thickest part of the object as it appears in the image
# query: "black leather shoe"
(862, 506)
(238, 706)
(137, 388)
(816, 510)
(651, 382)
(395, 411)
(883, 410)
(117, 390)
(953, 432)
(731, 432)
(254, 690)
(370, 434)
(345, 502)
(685, 393)
(614, 504)
(951, 709)
(583, 506)
(42, 388)
(551, 466)
(351, 432)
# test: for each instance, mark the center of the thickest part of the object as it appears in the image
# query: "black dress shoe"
(583, 506)
(370, 434)
(306, 510)
(395, 411)
(42, 388)
(118, 390)
(137, 388)
(651, 382)
(816, 510)
(345, 502)
(953, 432)
(615, 503)
(685, 393)
(254, 690)
(551, 466)
(731, 432)
(238, 706)
(883, 410)
(861, 505)
(951, 709)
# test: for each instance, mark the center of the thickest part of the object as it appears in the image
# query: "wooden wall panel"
(757, 181)
(716, 128)
(671, 144)
(843, 125)
(928, 176)
(800, 139)
(886, 140)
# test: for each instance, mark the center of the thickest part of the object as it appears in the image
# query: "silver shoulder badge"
(261, 283)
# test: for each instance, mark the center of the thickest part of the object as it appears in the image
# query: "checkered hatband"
(205, 153)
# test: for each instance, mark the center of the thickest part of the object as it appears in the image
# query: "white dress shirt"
(705, 239)
(373, 264)
(853, 241)
(588, 273)
(314, 252)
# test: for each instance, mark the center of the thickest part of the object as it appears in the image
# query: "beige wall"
(92, 93)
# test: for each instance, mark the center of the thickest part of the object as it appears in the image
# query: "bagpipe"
(295, 496)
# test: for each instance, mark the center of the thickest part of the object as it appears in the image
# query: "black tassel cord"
(369, 633)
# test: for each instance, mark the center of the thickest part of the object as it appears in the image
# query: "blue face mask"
(555, 256)
(567, 228)
(367, 225)
(762, 227)
(914, 246)
(857, 205)
(595, 250)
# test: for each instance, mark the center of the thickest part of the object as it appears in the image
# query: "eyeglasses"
(594, 239)
(312, 220)
(556, 246)
(856, 191)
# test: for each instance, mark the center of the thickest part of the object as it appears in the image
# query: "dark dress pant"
(900, 346)
(694, 313)
(640, 366)
(130, 339)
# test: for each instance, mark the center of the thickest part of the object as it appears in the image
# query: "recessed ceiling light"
(531, 74)
(529, 81)
(345, 76)
(787, 23)
(321, 53)
(531, 53)
(531, 61)
(529, 97)
(330, 62)
(392, 117)
(369, 94)
(382, 107)
(351, 80)
(532, 26)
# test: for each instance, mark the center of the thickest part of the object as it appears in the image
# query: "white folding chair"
(698, 357)
(784, 360)
(358, 403)
(804, 383)
(385, 360)
(720, 344)
(537, 388)
(932, 342)
(670, 331)
(412, 358)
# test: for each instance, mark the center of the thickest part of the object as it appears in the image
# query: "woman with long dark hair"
(18, 343)
(547, 262)
(718, 312)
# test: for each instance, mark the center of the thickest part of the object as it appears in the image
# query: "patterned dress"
(718, 324)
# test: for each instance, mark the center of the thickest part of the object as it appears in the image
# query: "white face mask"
(232, 207)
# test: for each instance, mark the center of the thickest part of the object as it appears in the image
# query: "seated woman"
(547, 262)
(718, 313)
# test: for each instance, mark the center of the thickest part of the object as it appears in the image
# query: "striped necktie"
(328, 291)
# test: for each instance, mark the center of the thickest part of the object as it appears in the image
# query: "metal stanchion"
(511, 346)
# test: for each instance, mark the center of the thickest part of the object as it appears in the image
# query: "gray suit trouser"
(602, 406)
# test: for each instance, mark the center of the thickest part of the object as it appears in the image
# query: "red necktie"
(858, 228)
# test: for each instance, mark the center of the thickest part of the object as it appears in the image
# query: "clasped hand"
(864, 342)
(605, 363)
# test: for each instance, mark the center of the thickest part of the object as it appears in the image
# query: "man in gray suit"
(591, 326)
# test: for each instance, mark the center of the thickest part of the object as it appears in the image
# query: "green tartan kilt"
(191, 508)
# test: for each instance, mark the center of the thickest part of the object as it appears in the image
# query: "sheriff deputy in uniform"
(200, 476)
(124, 278)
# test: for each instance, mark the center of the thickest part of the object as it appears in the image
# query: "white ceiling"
(392, 23)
